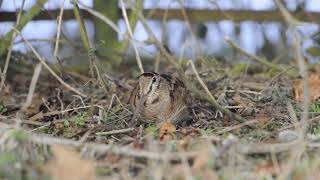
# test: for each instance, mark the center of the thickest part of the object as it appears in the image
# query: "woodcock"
(160, 97)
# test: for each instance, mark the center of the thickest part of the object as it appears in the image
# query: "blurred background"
(255, 25)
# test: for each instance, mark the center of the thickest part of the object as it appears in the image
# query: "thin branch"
(48, 68)
(253, 57)
(102, 17)
(238, 126)
(14, 34)
(301, 63)
(213, 100)
(299, 124)
(103, 148)
(195, 15)
(131, 36)
(114, 132)
(82, 28)
(56, 48)
(24, 19)
(32, 87)
(262, 148)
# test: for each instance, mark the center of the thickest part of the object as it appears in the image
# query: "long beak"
(139, 108)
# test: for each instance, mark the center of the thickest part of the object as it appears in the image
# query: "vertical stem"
(56, 48)
(6, 65)
(25, 18)
(106, 34)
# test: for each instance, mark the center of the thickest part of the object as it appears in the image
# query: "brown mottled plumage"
(159, 97)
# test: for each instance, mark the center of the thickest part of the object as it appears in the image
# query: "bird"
(160, 97)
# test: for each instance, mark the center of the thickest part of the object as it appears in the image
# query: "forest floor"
(62, 135)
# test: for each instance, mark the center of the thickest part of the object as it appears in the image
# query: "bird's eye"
(154, 79)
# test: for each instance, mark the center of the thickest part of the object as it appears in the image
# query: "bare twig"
(103, 148)
(32, 87)
(154, 40)
(131, 36)
(238, 126)
(114, 132)
(187, 21)
(56, 48)
(261, 148)
(23, 20)
(195, 15)
(213, 100)
(242, 148)
(102, 17)
(297, 154)
(253, 57)
(295, 125)
(14, 34)
(83, 31)
(301, 63)
(49, 69)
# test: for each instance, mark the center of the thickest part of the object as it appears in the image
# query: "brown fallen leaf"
(262, 119)
(68, 165)
(267, 168)
(314, 87)
(201, 165)
(167, 132)
(34, 106)
(187, 135)
(202, 159)
(112, 158)
(6, 95)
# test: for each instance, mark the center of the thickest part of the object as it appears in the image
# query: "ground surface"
(64, 136)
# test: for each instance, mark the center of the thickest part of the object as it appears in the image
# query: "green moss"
(2, 107)
(25, 18)
(19, 135)
(315, 107)
(80, 119)
(103, 170)
(209, 131)
(112, 114)
(238, 69)
(7, 163)
(7, 158)
(151, 129)
(315, 129)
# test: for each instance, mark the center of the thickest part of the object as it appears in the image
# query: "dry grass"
(245, 121)
(211, 146)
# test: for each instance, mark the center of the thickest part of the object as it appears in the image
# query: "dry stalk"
(296, 155)
(163, 39)
(300, 61)
(103, 148)
(48, 67)
(154, 40)
(102, 17)
(238, 126)
(83, 31)
(213, 100)
(56, 48)
(299, 124)
(242, 148)
(32, 87)
(131, 37)
(187, 21)
(261, 148)
(119, 131)
(14, 34)
(253, 57)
